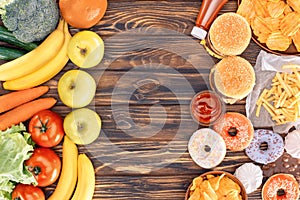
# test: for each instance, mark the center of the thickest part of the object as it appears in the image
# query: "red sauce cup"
(207, 108)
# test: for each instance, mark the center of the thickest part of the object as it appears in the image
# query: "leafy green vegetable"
(15, 148)
(3, 3)
(30, 20)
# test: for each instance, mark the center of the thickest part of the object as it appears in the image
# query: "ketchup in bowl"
(206, 108)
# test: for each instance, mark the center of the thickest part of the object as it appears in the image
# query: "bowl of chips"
(216, 185)
(275, 24)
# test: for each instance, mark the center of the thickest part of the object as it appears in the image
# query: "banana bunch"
(74, 168)
(40, 64)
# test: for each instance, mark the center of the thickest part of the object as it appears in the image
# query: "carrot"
(82, 14)
(25, 112)
(14, 99)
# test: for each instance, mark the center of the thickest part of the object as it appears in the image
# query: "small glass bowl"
(207, 108)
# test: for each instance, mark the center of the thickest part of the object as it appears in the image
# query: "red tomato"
(27, 192)
(45, 165)
(46, 128)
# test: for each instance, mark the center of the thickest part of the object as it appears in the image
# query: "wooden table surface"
(151, 69)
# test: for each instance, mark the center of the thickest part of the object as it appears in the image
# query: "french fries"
(282, 101)
(275, 22)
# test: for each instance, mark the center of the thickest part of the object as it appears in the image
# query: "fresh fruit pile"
(24, 71)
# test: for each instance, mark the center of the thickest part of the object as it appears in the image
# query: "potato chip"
(205, 196)
(195, 195)
(277, 41)
(209, 176)
(290, 24)
(276, 9)
(260, 8)
(227, 185)
(274, 23)
(295, 4)
(260, 25)
(296, 40)
(233, 195)
(205, 186)
(196, 182)
(262, 37)
(287, 9)
(215, 181)
(246, 9)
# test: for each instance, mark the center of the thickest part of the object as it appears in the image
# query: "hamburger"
(230, 34)
(233, 77)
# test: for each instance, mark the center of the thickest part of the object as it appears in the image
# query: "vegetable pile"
(30, 163)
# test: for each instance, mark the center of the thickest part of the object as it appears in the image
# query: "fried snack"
(246, 9)
(296, 40)
(260, 26)
(275, 9)
(273, 22)
(294, 4)
(290, 24)
(282, 101)
(214, 187)
(277, 41)
(260, 7)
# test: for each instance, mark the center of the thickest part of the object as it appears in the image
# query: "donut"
(281, 186)
(207, 148)
(273, 150)
(236, 130)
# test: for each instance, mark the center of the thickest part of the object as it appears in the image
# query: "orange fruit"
(82, 14)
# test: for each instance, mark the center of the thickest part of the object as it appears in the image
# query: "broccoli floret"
(3, 3)
(30, 20)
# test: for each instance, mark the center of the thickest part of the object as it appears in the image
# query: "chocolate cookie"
(285, 164)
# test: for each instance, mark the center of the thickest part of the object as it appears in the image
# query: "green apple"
(82, 126)
(76, 88)
(86, 49)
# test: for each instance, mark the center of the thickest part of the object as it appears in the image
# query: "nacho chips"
(214, 187)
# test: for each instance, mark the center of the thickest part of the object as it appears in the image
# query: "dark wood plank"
(145, 187)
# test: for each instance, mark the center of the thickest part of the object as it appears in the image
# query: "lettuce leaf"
(15, 147)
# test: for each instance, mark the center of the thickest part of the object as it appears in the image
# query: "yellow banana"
(68, 177)
(46, 72)
(86, 179)
(34, 59)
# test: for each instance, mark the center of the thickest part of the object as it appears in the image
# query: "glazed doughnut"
(281, 186)
(207, 148)
(236, 130)
(274, 150)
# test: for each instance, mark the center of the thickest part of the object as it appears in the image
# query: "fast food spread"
(276, 23)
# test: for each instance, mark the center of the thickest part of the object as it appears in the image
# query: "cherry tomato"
(45, 165)
(46, 128)
(27, 192)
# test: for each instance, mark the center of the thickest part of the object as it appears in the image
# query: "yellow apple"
(82, 126)
(86, 49)
(76, 88)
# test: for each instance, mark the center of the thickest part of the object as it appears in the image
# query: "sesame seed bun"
(234, 77)
(230, 34)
